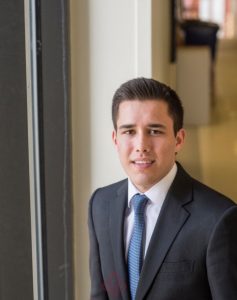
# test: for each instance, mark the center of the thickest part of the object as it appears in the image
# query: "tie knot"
(139, 202)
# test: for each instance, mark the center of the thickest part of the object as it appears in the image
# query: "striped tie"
(135, 255)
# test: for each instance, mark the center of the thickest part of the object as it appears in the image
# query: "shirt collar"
(157, 192)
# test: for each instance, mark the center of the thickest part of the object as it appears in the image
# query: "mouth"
(143, 164)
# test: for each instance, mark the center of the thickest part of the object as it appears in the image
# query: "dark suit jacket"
(192, 254)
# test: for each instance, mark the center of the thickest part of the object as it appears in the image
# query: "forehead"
(139, 109)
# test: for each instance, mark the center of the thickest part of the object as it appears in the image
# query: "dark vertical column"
(15, 227)
(53, 71)
(173, 25)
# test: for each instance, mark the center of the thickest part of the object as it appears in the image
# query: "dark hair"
(148, 89)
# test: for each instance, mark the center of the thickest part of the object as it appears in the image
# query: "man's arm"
(98, 291)
(222, 257)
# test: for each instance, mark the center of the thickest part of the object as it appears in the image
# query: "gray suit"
(192, 254)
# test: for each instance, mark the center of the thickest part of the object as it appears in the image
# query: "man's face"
(145, 141)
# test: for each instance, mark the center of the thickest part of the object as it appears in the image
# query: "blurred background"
(59, 71)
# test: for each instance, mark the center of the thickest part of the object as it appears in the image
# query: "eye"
(129, 132)
(155, 132)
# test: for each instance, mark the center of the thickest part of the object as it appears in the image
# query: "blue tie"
(135, 255)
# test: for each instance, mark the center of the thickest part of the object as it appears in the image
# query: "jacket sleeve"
(222, 257)
(98, 291)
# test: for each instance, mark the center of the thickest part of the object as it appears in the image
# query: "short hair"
(149, 89)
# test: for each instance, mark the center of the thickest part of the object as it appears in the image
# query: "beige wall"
(161, 68)
(111, 41)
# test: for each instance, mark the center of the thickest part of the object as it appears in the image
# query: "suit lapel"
(117, 212)
(170, 222)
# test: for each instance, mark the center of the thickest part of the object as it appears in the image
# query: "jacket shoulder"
(111, 188)
(211, 196)
(204, 195)
(104, 194)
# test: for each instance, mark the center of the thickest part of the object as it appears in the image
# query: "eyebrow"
(129, 126)
(156, 126)
(126, 126)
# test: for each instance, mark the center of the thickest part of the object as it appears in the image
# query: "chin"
(142, 184)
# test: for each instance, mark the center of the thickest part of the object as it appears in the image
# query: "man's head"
(148, 133)
(143, 89)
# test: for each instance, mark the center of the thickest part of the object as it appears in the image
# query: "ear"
(180, 137)
(114, 137)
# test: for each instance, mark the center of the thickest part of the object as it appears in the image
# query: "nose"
(142, 144)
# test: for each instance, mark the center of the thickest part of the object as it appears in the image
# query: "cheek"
(164, 148)
(124, 147)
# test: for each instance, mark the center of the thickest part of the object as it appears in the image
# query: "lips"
(143, 163)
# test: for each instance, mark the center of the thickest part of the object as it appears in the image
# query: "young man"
(160, 234)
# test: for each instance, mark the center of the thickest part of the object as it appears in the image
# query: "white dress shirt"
(156, 195)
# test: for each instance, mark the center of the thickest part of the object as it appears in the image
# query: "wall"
(161, 67)
(111, 42)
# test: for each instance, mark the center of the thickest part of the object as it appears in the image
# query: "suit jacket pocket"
(178, 269)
